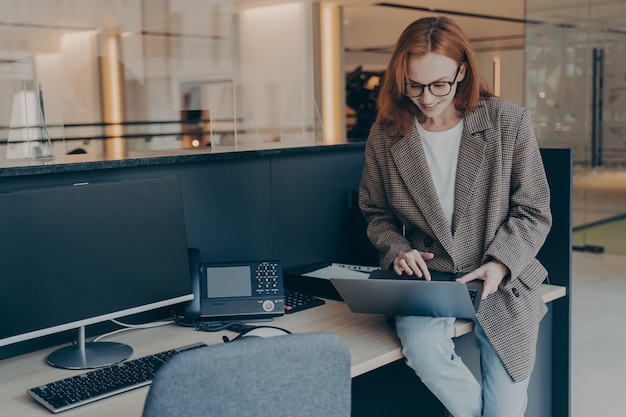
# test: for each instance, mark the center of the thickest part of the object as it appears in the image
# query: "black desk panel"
(312, 205)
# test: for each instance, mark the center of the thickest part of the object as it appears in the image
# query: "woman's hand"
(413, 262)
(492, 273)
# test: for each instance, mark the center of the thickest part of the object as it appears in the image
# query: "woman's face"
(432, 79)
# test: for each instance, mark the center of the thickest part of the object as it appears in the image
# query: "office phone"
(235, 290)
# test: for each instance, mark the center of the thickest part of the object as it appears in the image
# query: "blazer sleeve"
(383, 228)
(519, 238)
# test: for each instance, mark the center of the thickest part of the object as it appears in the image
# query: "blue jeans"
(429, 349)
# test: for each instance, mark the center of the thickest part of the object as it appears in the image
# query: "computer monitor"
(86, 253)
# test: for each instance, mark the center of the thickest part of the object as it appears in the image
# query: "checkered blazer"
(501, 211)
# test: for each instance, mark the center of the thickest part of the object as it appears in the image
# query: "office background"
(125, 79)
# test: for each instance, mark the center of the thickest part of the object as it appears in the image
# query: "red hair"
(439, 35)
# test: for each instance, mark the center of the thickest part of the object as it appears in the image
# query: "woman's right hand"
(413, 262)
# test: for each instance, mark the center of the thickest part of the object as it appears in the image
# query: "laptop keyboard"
(104, 382)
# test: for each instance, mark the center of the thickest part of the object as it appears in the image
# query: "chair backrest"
(295, 375)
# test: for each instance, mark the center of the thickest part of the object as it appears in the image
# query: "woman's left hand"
(492, 273)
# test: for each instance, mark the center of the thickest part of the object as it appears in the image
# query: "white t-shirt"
(442, 153)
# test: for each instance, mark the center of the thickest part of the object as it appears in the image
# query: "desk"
(372, 344)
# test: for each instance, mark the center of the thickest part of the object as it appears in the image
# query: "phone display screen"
(228, 281)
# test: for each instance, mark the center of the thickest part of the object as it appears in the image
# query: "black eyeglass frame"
(450, 84)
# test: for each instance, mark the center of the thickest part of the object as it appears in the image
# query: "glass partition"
(124, 79)
(576, 88)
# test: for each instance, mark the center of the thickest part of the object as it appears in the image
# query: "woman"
(453, 181)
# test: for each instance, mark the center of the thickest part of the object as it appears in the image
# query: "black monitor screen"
(77, 255)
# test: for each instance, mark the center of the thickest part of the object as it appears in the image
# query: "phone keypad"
(267, 275)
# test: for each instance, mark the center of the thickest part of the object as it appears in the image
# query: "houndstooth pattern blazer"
(501, 211)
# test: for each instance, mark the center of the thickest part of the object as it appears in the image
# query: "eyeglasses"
(437, 89)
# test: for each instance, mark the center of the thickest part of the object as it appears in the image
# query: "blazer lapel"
(408, 155)
(471, 160)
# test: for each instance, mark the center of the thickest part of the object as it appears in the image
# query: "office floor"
(598, 335)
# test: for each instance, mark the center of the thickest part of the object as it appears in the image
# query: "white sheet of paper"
(340, 271)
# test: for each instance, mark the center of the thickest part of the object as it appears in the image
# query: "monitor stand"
(89, 355)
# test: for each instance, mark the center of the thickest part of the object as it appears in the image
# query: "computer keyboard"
(297, 301)
(102, 383)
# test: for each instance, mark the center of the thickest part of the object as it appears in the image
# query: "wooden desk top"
(371, 341)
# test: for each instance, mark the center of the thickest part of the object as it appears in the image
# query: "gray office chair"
(299, 375)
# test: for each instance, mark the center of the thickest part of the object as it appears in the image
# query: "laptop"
(387, 293)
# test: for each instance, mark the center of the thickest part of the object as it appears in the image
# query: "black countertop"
(77, 163)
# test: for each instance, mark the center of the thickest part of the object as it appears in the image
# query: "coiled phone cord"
(215, 326)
